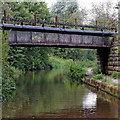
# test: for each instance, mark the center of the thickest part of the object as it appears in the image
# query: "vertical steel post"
(75, 23)
(119, 25)
(96, 24)
(5, 16)
(56, 20)
(35, 19)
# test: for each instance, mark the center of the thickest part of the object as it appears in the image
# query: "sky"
(84, 3)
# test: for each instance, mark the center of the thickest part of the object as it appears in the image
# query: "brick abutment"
(109, 58)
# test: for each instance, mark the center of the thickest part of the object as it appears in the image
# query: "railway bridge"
(104, 41)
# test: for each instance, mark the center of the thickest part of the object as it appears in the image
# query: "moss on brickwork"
(111, 89)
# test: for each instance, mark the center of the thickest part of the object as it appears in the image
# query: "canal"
(50, 94)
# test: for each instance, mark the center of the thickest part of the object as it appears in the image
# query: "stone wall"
(105, 87)
(108, 58)
(114, 58)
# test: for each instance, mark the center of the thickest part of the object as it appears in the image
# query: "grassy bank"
(77, 71)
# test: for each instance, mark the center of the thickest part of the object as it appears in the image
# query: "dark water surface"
(49, 94)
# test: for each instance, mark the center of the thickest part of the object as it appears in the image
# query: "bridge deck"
(21, 35)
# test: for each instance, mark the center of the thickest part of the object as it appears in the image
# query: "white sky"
(84, 3)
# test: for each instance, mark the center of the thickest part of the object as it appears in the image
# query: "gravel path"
(116, 80)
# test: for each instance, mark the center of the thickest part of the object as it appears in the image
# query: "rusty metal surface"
(20, 35)
(56, 23)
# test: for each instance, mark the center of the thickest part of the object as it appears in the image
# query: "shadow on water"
(50, 94)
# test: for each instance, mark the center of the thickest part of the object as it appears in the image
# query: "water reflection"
(50, 94)
(90, 100)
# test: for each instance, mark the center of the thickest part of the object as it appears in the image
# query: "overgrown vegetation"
(77, 69)
(8, 81)
(103, 79)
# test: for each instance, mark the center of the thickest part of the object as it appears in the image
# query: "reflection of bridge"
(27, 35)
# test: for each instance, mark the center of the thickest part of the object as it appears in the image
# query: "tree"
(26, 10)
(28, 58)
(69, 10)
(105, 14)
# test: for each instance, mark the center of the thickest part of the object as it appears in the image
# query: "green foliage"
(29, 58)
(105, 79)
(26, 10)
(57, 62)
(8, 81)
(75, 71)
(69, 9)
(102, 13)
(75, 53)
(98, 77)
(116, 75)
(96, 70)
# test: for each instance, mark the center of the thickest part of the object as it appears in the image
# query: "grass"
(96, 77)
(100, 76)
(103, 79)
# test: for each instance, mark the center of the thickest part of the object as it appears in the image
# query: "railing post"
(96, 24)
(119, 25)
(56, 20)
(35, 19)
(5, 16)
(75, 23)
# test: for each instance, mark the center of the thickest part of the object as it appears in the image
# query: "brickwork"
(109, 59)
(114, 58)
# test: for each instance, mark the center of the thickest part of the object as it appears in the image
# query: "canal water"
(50, 94)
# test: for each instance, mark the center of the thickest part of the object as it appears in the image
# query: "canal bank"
(94, 78)
(105, 87)
(104, 83)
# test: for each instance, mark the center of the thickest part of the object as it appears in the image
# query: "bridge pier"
(109, 58)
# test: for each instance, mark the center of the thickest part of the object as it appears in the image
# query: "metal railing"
(54, 21)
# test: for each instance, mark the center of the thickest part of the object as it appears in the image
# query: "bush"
(116, 75)
(76, 72)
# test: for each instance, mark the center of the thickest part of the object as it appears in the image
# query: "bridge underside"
(43, 36)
